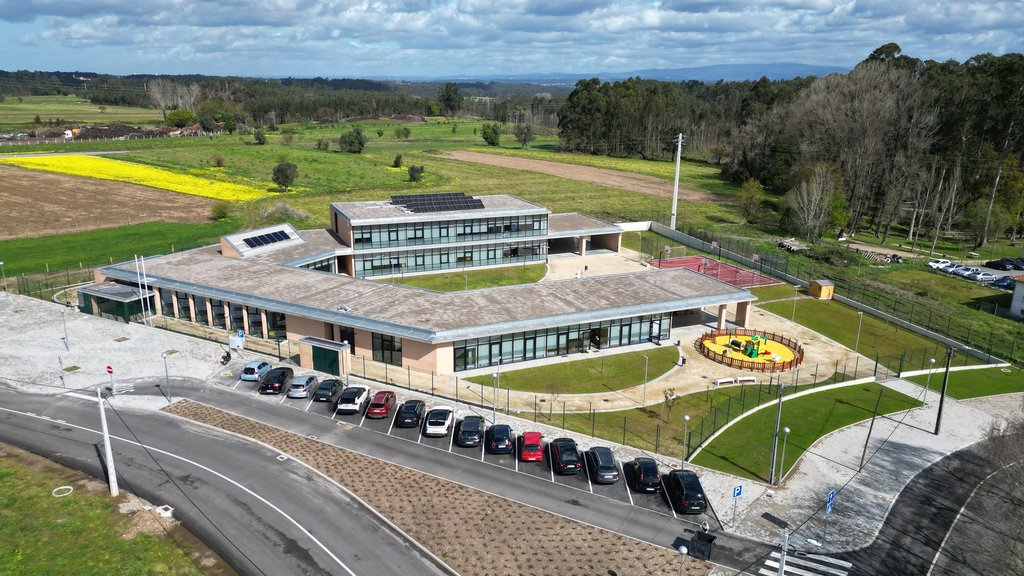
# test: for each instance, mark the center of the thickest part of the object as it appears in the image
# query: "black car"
(1018, 263)
(565, 457)
(471, 430)
(601, 465)
(500, 439)
(1001, 264)
(410, 414)
(327, 391)
(1006, 283)
(646, 477)
(276, 380)
(685, 492)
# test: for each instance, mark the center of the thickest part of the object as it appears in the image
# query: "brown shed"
(822, 289)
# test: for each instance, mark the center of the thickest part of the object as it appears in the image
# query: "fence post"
(563, 415)
(408, 376)
(657, 437)
(876, 365)
(623, 430)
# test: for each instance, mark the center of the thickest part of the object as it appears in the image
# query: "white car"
(353, 399)
(953, 268)
(439, 421)
(939, 263)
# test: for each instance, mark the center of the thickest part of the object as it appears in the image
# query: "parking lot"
(619, 491)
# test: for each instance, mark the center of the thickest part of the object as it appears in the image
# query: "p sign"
(737, 491)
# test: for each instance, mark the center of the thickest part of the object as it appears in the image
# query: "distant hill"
(726, 72)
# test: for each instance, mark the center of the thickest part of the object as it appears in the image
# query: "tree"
(450, 99)
(524, 134)
(750, 198)
(181, 118)
(983, 221)
(817, 202)
(397, 163)
(415, 173)
(353, 141)
(491, 134)
(259, 137)
(207, 123)
(285, 173)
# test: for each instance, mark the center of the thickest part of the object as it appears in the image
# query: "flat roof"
(428, 315)
(384, 212)
(573, 224)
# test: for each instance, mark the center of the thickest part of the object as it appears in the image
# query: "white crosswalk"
(805, 565)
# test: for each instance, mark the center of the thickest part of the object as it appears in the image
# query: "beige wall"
(363, 346)
(427, 357)
(341, 227)
(297, 327)
(227, 250)
(606, 241)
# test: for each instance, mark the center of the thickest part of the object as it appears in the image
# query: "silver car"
(302, 386)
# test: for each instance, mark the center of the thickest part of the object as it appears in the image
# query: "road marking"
(283, 396)
(801, 566)
(392, 425)
(419, 434)
(451, 440)
(80, 396)
(219, 475)
(586, 470)
(237, 382)
(831, 560)
(622, 473)
(551, 464)
(363, 419)
(482, 442)
(308, 405)
(668, 499)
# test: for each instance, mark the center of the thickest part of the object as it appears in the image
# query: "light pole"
(775, 439)
(644, 401)
(2, 271)
(782, 466)
(682, 559)
(496, 377)
(108, 454)
(928, 381)
(860, 320)
(167, 377)
(65, 323)
(686, 441)
(796, 294)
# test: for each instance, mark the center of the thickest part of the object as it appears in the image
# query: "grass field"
(19, 112)
(604, 373)
(974, 383)
(80, 533)
(475, 279)
(774, 292)
(809, 418)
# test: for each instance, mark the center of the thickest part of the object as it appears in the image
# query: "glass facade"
(522, 346)
(387, 349)
(443, 232)
(452, 257)
(324, 265)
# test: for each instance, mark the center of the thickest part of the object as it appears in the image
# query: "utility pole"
(945, 382)
(775, 438)
(675, 186)
(108, 454)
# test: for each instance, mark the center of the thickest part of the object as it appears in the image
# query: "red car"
(381, 404)
(530, 447)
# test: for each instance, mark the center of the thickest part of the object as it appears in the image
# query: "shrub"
(220, 210)
(285, 174)
(353, 141)
(491, 134)
(259, 137)
(380, 133)
(281, 212)
(181, 118)
(323, 144)
(218, 160)
(397, 163)
(287, 138)
(415, 173)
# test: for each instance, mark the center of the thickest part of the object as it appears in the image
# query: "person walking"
(704, 526)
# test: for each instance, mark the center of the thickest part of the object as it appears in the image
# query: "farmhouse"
(322, 288)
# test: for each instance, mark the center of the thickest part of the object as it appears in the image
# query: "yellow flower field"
(109, 169)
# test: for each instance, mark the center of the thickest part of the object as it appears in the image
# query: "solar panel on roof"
(265, 239)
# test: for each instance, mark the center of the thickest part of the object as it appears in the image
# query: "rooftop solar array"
(437, 202)
(264, 239)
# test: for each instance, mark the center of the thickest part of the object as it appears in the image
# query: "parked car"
(1001, 264)
(471, 431)
(565, 457)
(1006, 283)
(353, 399)
(984, 277)
(530, 447)
(410, 414)
(276, 380)
(952, 268)
(601, 465)
(381, 404)
(327, 391)
(967, 271)
(303, 386)
(439, 421)
(685, 492)
(646, 477)
(1018, 263)
(939, 263)
(254, 370)
(500, 439)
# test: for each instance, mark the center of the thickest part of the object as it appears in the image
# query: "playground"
(734, 275)
(751, 349)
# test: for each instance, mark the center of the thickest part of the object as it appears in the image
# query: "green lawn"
(603, 373)
(774, 292)
(974, 383)
(21, 111)
(745, 448)
(78, 534)
(475, 279)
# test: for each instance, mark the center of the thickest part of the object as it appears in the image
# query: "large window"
(446, 258)
(442, 232)
(387, 349)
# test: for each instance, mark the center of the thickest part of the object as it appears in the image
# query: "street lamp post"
(860, 320)
(167, 377)
(644, 401)
(107, 452)
(682, 559)
(775, 438)
(782, 466)
(65, 323)
(928, 381)
(686, 441)
(4, 272)
(796, 294)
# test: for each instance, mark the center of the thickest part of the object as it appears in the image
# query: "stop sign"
(110, 369)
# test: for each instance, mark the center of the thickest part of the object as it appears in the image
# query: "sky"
(438, 38)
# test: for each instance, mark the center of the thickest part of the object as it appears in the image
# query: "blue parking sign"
(737, 491)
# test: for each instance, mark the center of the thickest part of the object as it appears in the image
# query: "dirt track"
(627, 181)
(42, 203)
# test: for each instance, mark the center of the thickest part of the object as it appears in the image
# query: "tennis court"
(739, 277)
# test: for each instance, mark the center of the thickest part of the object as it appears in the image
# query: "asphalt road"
(263, 515)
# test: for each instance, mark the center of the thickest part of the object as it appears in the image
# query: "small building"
(1017, 302)
(822, 289)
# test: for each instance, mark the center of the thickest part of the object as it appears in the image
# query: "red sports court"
(739, 277)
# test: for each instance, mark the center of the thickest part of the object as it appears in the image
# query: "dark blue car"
(1006, 283)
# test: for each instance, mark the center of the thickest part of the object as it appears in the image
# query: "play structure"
(751, 349)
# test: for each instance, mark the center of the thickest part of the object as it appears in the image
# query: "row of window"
(523, 346)
(233, 319)
(420, 233)
(448, 258)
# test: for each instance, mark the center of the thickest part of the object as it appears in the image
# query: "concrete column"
(174, 304)
(742, 314)
(721, 316)
(583, 245)
(245, 320)
(157, 302)
(209, 311)
(192, 308)
(263, 322)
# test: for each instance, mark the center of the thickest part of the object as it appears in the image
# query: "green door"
(325, 360)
